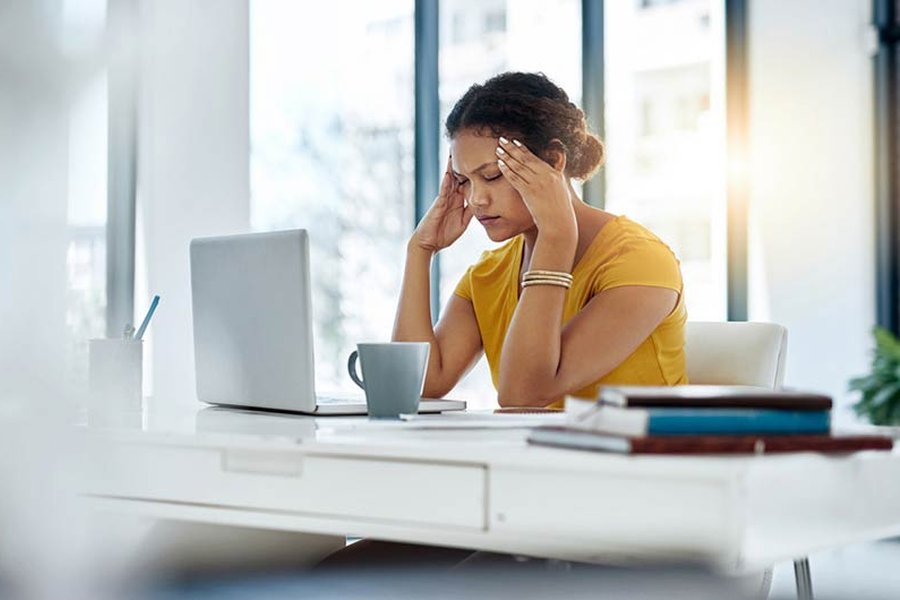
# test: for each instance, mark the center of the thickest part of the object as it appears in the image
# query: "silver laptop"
(253, 332)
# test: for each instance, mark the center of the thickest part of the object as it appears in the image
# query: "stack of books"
(702, 419)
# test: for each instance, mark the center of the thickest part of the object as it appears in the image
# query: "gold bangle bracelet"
(550, 283)
(562, 274)
(562, 282)
(542, 277)
(553, 282)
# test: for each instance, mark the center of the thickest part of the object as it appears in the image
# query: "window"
(332, 152)
(332, 139)
(665, 135)
(495, 22)
(523, 36)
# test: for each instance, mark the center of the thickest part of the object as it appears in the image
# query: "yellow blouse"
(622, 253)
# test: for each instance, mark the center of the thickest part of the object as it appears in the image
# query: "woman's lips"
(486, 220)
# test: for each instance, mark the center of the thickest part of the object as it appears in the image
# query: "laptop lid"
(252, 320)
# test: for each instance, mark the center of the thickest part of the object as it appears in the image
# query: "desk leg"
(803, 578)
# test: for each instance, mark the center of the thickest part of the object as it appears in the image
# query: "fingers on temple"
(510, 167)
(516, 152)
(510, 173)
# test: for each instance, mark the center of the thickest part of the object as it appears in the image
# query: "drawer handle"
(262, 463)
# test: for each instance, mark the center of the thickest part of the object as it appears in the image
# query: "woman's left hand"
(544, 189)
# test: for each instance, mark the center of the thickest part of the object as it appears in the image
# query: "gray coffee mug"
(393, 376)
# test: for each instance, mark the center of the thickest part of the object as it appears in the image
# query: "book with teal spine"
(639, 422)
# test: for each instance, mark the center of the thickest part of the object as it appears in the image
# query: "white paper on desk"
(465, 420)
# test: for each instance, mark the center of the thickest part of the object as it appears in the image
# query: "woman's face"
(496, 204)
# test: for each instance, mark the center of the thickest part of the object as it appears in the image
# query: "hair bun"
(589, 157)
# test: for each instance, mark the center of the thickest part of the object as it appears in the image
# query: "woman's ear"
(555, 155)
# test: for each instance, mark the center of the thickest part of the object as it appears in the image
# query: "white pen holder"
(115, 374)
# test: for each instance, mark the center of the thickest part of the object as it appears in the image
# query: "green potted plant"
(880, 389)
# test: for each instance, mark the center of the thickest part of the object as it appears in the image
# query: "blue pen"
(140, 332)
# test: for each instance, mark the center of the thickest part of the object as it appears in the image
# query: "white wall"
(193, 172)
(811, 168)
(34, 123)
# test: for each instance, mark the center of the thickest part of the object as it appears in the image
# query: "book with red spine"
(572, 437)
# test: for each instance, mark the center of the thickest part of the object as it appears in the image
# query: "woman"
(576, 297)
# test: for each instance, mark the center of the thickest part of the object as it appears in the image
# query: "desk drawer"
(366, 489)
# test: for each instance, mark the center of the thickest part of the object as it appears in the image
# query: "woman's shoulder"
(625, 229)
(628, 253)
(623, 236)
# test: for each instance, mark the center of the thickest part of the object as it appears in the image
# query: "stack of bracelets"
(558, 278)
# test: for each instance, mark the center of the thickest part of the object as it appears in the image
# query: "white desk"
(488, 489)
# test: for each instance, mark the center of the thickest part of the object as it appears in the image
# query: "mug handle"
(351, 367)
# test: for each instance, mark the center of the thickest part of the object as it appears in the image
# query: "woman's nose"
(477, 198)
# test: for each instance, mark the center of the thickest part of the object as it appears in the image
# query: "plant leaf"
(863, 384)
(883, 403)
(880, 389)
(886, 344)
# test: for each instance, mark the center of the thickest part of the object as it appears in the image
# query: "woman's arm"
(541, 360)
(532, 348)
(455, 341)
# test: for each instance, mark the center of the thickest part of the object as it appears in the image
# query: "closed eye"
(494, 178)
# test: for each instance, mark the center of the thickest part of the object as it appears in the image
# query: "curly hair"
(533, 109)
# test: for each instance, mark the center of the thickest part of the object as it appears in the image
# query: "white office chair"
(740, 353)
(735, 353)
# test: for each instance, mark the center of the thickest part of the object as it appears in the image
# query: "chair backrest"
(735, 353)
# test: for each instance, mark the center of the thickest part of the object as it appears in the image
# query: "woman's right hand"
(447, 218)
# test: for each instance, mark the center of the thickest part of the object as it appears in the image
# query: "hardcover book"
(637, 422)
(715, 396)
(567, 437)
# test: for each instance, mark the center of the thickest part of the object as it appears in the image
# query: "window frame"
(886, 21)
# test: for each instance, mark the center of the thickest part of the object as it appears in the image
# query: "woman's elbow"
(532, 396)
(435, 388)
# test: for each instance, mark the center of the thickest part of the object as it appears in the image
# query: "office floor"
(858, 572)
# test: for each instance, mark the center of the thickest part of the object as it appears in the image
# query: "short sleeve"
(640, 262)
(464, 287)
